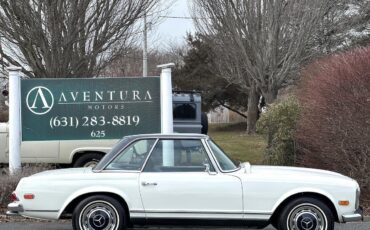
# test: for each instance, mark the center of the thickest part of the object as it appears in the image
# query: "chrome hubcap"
(307, 217)
(99, 215)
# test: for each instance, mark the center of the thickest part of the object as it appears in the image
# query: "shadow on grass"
(233, 127)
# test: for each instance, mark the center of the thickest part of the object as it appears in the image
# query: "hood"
(63, 172)
(299, 174)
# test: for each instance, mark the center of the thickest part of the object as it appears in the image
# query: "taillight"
(13, 197)
(28, 196)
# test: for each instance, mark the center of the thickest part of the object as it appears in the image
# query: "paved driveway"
(67, 226)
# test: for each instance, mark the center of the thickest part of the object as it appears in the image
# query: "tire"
(204, 122)
(306, 213)
(87, 160)
(99, 212)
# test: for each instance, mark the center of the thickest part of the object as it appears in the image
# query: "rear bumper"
(14, 209)
(358, 215)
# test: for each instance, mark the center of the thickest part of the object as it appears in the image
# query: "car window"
(133, 156)
(224, 160)
(178, 156)
(184, 111)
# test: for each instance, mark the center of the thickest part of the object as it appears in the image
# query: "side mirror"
(208, 169)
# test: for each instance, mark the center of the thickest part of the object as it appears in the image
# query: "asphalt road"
(67, 226)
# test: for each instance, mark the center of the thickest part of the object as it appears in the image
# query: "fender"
(304, 190)
(93, 189)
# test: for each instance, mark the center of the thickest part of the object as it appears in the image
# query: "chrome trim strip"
(41, 210)
(199, 212)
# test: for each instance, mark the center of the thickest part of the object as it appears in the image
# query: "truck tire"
(204, 122)
(87, 160)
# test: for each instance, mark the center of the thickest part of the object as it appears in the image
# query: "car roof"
(168, 135)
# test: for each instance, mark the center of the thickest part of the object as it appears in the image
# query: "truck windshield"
(224, 160)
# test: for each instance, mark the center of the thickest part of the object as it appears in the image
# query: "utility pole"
(145, 49)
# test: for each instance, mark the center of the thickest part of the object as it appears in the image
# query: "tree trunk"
(270, 96)
(252, 112)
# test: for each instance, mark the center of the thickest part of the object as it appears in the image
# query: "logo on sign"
(40, 100)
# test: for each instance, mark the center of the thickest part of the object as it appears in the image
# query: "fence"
(224, 115)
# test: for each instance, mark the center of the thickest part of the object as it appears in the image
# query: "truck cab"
(187, 113)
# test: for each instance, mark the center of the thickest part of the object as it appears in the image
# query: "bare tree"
(344, 24)
(130, 63)
(270, 37)
(229, 65)
(68, 38)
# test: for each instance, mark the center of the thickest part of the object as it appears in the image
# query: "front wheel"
(99, 213)
(306, 213)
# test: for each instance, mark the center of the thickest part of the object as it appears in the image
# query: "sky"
(173, 30)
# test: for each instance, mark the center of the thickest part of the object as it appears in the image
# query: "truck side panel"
(4, 148)
(72, 147)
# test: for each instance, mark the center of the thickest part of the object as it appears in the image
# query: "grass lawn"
(234, 141)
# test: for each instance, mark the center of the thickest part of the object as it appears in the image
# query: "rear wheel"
(99, 213)
(88, 160)
(306, 213)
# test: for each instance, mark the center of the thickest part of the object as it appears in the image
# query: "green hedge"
(278, 125)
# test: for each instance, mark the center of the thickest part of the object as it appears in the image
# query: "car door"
(175, 184)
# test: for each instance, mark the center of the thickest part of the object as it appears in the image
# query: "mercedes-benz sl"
(186, 179)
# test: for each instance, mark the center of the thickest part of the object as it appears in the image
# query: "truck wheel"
(88, 160)
(99, 212)
(306, 213)
(204, 122)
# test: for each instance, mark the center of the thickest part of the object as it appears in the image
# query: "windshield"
(224, 160)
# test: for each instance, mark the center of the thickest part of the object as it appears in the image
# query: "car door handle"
(148, 184)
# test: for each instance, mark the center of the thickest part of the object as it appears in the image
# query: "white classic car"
(186, 178)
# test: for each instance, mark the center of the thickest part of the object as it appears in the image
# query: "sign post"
(166, 98)
(166, 113)
(14, 119)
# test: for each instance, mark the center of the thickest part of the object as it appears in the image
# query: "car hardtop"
(167, 136)
(127, 140)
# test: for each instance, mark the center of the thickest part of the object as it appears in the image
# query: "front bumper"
(358, 215)
(14, 209)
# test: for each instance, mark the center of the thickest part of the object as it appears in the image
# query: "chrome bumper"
(14, 209)
(358, 215)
